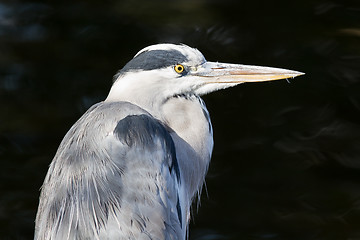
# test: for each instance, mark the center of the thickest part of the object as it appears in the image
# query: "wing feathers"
(115, 175)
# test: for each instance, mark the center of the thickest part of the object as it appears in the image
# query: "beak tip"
(300, 73)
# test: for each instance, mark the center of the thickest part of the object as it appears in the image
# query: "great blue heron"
(130, 167)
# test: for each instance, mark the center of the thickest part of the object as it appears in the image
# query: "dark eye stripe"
(155, 59)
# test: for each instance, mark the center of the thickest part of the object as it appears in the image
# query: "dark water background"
(286, 163)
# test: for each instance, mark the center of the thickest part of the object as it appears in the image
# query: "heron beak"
(238, 73)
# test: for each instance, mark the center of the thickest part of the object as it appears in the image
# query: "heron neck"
(188, 117)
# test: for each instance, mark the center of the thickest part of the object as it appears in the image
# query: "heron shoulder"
(115, 174)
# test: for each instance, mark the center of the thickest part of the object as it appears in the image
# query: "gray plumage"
(130, 167)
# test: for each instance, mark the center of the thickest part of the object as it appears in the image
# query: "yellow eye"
(179, 68)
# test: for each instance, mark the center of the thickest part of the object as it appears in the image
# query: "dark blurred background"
(286, 162)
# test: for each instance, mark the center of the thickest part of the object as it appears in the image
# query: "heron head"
(166, 70)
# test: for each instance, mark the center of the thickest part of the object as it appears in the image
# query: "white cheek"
(212, 87)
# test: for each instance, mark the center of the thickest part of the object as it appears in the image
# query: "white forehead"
(192, 54)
